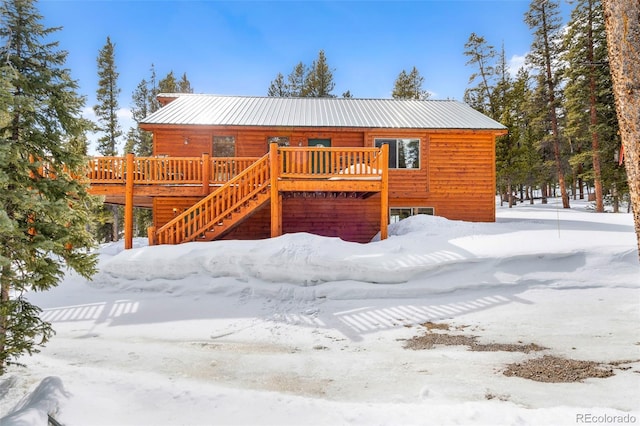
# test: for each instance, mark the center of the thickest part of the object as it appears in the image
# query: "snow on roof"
(217, 110)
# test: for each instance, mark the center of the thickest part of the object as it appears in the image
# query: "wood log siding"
(249, 142)
(462, 176)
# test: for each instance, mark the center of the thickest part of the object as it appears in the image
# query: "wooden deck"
(232, 188)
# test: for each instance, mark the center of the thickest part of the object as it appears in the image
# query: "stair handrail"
(201, 211)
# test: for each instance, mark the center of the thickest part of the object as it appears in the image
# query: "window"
(396, 214)
(280, 140)
(224, 146)
(403, 153)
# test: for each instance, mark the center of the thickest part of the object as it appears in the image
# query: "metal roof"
(217, 110)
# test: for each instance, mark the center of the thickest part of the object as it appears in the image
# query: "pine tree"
(588, 84)
(44, 211)
(107, 114)
(138, 141)
(319, 80)
(154, 103)
(347, 95)
(184, 85)
(543, 17)
(522, 110)
(409, 86)
(107, 96)
(622, 23)
(504, 100)
(145, 102)
(296, 81)
(278, 88)
(168, 84)
(315, 81)
(482, 56)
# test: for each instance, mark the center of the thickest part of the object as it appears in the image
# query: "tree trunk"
(593, 117)
(5, 286)
(551, 87)
(531, 195)
(115, 226)
(622, 21)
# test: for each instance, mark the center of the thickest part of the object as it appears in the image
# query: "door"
(319, 160)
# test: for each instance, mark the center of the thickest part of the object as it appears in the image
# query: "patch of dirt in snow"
(553, 369)
(548, 368)
(431, 339)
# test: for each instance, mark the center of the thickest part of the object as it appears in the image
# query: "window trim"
(214, 145)
(397, 138)
(414, 211)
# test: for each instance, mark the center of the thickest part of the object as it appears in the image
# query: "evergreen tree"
(145, 102)
(139, 141)
(409, 86)
(482, 56)
(154, 103)
(278, 88)
(296, 81)
(347, 95)
(515, 160)
(319, 80)
(522, 105)
(107, 114)
(168, 84)
(107, 96)
(543, 17)
(44, 211)
(184, 85)
(504, 100)
(589, 84)
(315, 81)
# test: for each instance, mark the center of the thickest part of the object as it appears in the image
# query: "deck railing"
(107, 169)
(168, 170)
(294, 162)
(321, 162)
(224, 169)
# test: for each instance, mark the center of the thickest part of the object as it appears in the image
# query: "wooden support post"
(276, 198)
(206, 173)
(151, 235)
(128, 203)
(384, 194)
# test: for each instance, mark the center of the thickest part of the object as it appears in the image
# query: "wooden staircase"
(222, 210)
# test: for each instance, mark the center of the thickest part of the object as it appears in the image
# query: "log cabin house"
(255, 167)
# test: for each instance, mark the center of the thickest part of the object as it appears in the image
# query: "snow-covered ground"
(303, 329)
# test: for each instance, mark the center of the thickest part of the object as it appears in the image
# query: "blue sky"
(238, 47)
